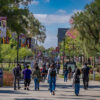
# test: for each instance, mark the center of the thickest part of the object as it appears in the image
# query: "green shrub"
(61, 76)
(79, 65)
(97, 77)
(90, 66)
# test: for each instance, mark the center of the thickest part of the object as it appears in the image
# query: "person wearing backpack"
(37, 77)
(52, 79)
(85, 75)
(76, 81)
(17, 76)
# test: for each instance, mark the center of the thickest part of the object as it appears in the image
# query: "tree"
(20, 20)
(24, 52)
(87, 23)
(35, 28)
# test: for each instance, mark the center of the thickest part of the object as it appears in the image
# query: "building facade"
(61, 34)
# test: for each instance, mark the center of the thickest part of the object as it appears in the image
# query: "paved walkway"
(64, 91)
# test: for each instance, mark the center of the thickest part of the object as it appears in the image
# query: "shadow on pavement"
(94, 86)
(73, 98)
(31, 99)
(27, 99)
(83, 96)
(58, 86)
(67, 86)
(11, 92)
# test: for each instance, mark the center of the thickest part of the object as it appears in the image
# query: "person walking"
(17, 76)
(69, 73)
(27, 77)
(37, 77)
(58, 67)
(48, 76)
(85, 75)
(76, 81)
(52, 79)
(65, 74)
(44, 72)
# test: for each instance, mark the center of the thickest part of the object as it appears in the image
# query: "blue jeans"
(36, 83)
(48, 78)
(52, 84)
(65, 76)
(77, 88)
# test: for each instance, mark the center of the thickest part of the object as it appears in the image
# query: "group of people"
(37, 74)
(50, 73)
(76, 77)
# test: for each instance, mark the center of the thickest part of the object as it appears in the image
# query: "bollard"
(94, 75)
(1, 77)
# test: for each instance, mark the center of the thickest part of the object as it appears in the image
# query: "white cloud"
(35, 2)
(59, 20)
(53, 19)
(51, 41)
(61, 11)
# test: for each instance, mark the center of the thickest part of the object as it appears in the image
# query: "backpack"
(85, 72)
(17, 71)
(77, 79)
(53, 73)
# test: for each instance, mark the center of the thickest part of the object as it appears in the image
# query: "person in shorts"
(27, 77)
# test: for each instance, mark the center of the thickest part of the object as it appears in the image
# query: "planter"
(7, 79)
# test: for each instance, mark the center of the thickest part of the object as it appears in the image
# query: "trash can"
(1, 77)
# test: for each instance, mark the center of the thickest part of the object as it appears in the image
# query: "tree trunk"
(17, 48)
(94, 68)
(82, 60)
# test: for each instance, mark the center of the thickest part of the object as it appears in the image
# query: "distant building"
(61, 34)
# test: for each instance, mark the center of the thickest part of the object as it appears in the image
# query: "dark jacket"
(77, 76)
(85, 71)
(17, 72)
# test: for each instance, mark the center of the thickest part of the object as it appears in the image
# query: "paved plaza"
(64, 91)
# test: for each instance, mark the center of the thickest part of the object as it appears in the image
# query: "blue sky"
(54, 14)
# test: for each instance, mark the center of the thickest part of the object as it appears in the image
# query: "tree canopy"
(20, 19)
(87, 23)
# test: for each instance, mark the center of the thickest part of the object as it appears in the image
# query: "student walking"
(85, 75)
(58, 67)
(44, 72)
(69, 73)
(52, 80)
(76, 81)
(65, 74)
(48, 76)
(27, 77)
(17, 76)
(37, 77)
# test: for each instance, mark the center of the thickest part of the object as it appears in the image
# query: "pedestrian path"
(64, 91)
